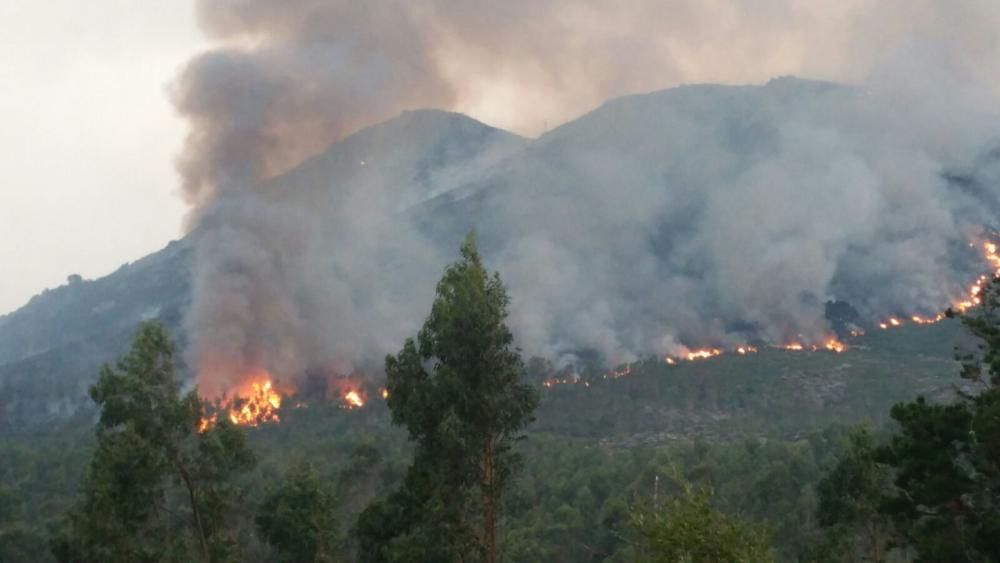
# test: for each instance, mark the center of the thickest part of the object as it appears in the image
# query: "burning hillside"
(257, 399)
(255, 403)
(260, 399)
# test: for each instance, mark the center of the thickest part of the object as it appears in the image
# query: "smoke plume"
(695, 216)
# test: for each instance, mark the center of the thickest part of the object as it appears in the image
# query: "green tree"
(851, 502)
(943, 462)
(946, 457)
(687, 529)
(297, 517)
(458, 390)
(153, 476)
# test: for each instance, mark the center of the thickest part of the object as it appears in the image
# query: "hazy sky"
(87, 179)
(90, 137)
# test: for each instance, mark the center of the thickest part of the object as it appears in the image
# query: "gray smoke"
(701, 216)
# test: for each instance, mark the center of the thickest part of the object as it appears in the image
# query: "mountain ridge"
(639, 161)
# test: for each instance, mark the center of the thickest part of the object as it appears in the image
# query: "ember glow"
(703, 354)
(927, 320)
(834, 345)
(974, 297)
(966, 302)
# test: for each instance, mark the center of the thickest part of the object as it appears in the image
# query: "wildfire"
(353, 399)
(993, 259)
(831, 344)
(834, 345)
(259, 405)
(744, 350)
(891, 322)
(206, 423)
(703, 354)
(620, 371)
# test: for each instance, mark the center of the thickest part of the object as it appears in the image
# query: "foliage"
(851, 502)
(749, 428)
(687, 529)
(156, 489)
(297, 517)
(464, 415)
(933, 485)
(946, 459)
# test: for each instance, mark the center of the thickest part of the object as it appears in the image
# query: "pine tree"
(458, 390)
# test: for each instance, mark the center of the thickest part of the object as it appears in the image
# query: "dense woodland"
(731, 460)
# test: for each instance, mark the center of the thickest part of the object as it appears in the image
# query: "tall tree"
(946, 457)
(458, 390)
(943, 462)
(297, 517)
(851, 501)
(153, 474)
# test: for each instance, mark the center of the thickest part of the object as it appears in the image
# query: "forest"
(477, 455)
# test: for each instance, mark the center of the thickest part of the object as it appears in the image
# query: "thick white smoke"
(697, 216)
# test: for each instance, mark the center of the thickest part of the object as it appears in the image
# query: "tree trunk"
(489, 489)
(196, 515)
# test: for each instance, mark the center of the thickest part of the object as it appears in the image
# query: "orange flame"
(260, 406)
(927, 320)
(834, 345)
(206, 423)
(353, 399)
(703, 354)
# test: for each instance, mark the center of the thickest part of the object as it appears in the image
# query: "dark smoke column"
(287, 79)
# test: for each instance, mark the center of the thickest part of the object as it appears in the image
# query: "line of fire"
(260, 399)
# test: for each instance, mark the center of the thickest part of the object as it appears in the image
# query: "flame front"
(258, 405)
(703, 354)
(261, 406)
(353, 399)
(835, 345)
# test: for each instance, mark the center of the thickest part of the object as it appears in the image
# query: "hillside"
(762, 430)
(52, 348)
(654, 220)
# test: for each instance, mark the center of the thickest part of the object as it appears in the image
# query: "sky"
(90, 138)
(87, 180)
